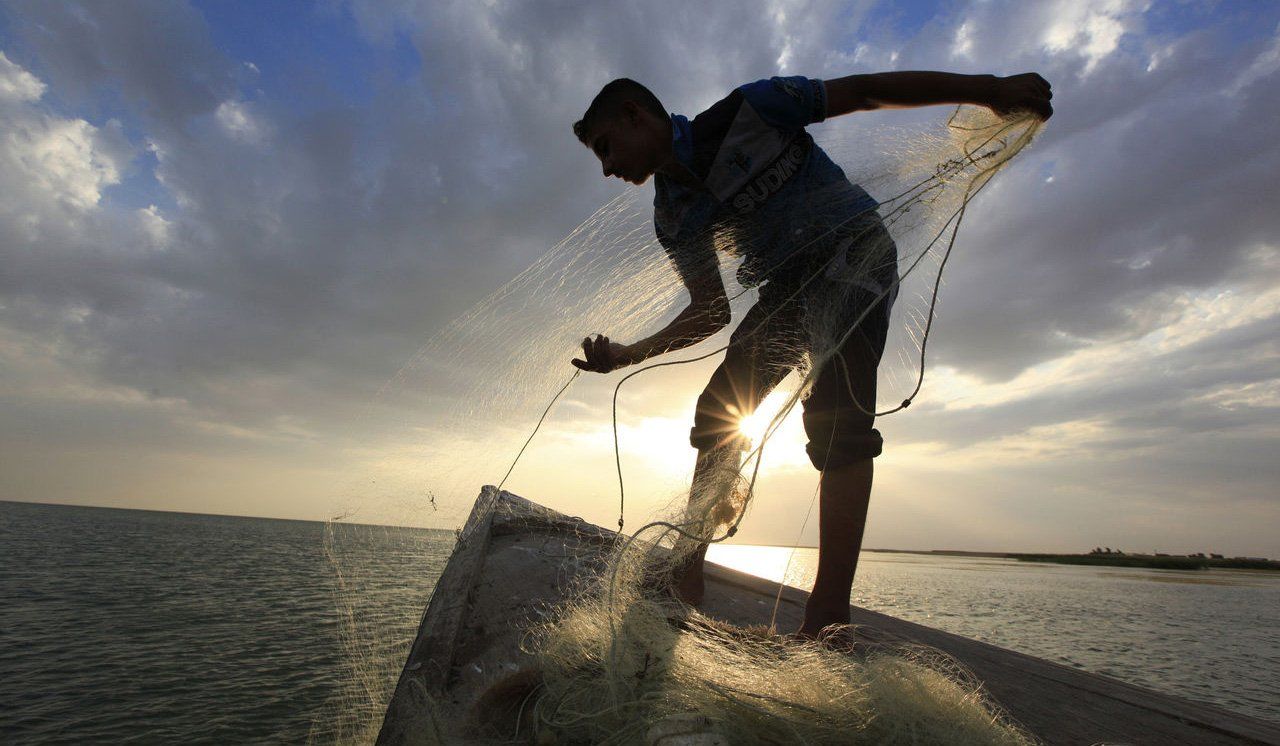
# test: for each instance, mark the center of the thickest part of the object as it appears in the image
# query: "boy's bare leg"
(845, 493)
(710, 474)
(689, 585)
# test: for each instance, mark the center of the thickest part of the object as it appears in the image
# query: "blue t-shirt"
(768, 192)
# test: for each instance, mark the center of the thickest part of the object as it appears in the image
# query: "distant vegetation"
(1128, 560)
(1116, 558)
(1109, 557)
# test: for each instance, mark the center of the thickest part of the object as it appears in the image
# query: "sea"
(130, 626)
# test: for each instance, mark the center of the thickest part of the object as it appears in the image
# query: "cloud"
(63, 158)
(157, 55)
(236, 117)
(1092, 29)
(17, 84)
(1265, 64)
(65, 161)
(1154, 188)
(1081, 32)
(262, 258)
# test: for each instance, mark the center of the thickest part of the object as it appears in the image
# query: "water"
(1208, 635)
(134, 626)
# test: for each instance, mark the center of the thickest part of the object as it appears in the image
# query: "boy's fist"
(601, 355)
(1025, 92)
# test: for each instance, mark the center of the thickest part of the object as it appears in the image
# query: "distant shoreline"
(1153, 561)
(1170, 562)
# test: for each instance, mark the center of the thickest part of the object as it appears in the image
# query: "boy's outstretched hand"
(1025, 92)
(602, 356)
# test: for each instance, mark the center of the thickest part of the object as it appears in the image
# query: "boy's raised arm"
(1027, 91)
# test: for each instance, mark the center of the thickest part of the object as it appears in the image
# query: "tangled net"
(623, 661)
(631, 668)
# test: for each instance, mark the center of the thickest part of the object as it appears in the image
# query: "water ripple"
(140, 627)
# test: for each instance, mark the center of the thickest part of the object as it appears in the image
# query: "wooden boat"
(514, 558)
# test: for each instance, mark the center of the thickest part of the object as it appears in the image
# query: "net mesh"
(623, 659)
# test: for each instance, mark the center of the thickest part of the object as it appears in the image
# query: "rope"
(545, 412)
(910, 195)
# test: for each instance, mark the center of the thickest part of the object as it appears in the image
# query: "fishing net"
(624, 659)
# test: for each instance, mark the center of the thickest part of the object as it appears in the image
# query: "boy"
(747, 169)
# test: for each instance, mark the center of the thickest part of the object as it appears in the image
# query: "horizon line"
(933, 552)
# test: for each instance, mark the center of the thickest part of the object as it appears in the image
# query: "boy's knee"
(715, 424)
(844, 448)
(714, 438)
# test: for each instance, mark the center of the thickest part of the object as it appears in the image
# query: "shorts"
(817, 296)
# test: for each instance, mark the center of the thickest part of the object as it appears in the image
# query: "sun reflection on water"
(779, 564)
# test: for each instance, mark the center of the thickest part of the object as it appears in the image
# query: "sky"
(226, 228)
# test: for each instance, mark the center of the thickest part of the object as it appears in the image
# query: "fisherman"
(744, 175)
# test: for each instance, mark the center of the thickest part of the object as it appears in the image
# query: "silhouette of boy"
(746, 169)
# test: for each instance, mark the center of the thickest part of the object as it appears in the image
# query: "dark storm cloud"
(341, 226)
(156, 54)
(330, 245)
(1161, 180)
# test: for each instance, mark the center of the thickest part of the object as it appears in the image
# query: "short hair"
(608, 104)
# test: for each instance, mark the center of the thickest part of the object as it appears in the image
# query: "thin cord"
(938, 178)
(757, 329)
(928, 327)
(545, 412)
(923, 186)
(957, 217)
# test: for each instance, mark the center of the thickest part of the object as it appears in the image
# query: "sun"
(756, 424)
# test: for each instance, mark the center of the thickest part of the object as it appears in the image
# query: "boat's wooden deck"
(514, 559)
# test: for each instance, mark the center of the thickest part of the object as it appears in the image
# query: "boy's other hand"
(601, 355)
(1025, 92)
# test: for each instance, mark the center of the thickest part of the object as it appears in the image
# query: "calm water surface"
(134, 626)
(1209, 635)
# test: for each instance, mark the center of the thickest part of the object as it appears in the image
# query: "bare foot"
(684, 582)
(819, 615)
(841, 638)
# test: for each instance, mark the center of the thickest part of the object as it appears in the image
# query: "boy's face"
(627, 145)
